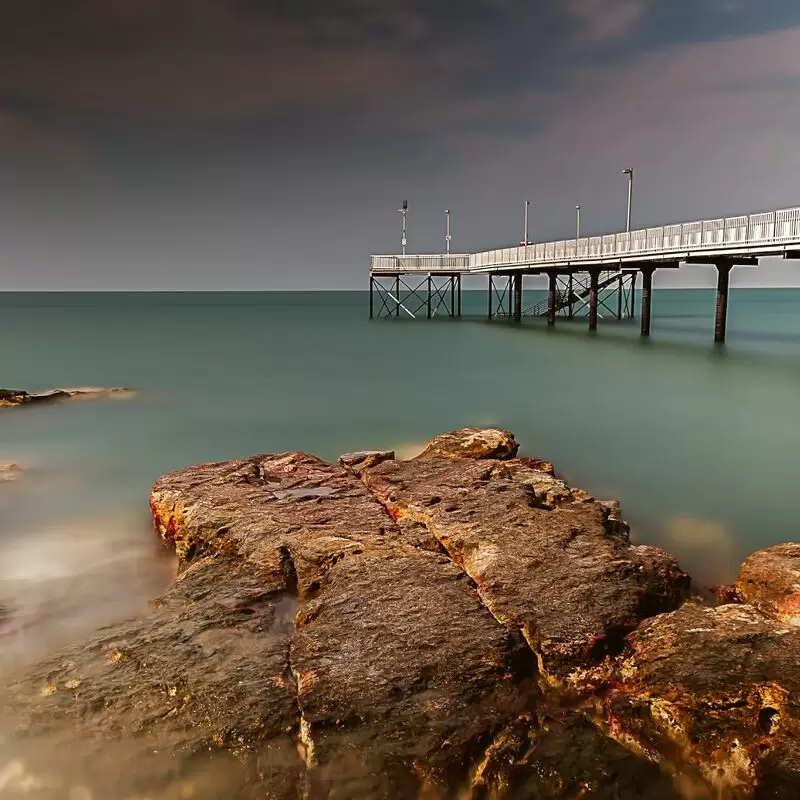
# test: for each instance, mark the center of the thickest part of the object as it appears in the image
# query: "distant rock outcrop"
(10, 398)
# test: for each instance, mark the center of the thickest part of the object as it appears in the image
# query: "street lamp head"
(628, 171)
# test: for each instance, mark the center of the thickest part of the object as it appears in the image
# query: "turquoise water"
(700, 444)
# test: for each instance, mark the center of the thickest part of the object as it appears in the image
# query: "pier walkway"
(586, 275)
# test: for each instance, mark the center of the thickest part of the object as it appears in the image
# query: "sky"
(267, 144)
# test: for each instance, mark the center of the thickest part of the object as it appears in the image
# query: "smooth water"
(700, 444)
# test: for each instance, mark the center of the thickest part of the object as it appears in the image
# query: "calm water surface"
(700, 444)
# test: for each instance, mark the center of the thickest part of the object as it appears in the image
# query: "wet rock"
(145, 704)
(471, 443)
(16, 397)
(559, 755)
(306, 640)
(714, 693)
(770, 580)
(573, 584)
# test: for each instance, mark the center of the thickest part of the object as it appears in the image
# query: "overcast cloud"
(204, 144)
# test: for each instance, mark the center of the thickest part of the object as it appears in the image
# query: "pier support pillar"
(397, 295)
(634, 278)
(458, 289)
(569, 295)
(647, 298)
(371, 293)
(429, 296)
(491, 291)
(594, 291)
(723, 285)
(551, 298)
(620, 292)
(518, 297)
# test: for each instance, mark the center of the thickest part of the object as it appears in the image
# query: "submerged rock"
(440, 628)
(16, 397)
(9, 471)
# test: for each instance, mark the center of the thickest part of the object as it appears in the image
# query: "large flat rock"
(563, 574)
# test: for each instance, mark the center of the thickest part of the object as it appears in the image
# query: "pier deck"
(584, 272)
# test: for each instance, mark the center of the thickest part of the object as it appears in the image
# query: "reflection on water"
(407, 450)
(703, 547)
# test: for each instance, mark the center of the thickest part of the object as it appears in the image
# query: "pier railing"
(422, 263)
(772, 231)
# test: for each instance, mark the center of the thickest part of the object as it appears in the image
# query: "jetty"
(587, 276)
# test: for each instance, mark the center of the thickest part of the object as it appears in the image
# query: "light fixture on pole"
(447, 236)
(404, 240)
(577, 222)
(629, 173)
(527, 207)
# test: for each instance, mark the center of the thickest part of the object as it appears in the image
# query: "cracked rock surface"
(461, 625)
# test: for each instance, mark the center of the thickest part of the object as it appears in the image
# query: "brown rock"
(471, 443)
(202, 683)
(358, 462)
(770, 580)
(570, 582)
(714, 693)
(563, 756)
(725, 594)
(305, 636)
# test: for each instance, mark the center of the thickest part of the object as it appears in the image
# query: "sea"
(700, 443)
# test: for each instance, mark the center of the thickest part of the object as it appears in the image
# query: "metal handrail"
(771, 228)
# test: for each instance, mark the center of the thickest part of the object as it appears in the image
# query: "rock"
(725, 594)
(573, 584)
(9, 471)
(770, 580)
(438, 628)
(17, 397)
(358, 462)
(563, 756)
(303, 629)
(471, 443)
(713, 693)
(550, 491)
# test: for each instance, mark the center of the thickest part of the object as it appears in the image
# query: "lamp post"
(629, 173)
(447, 236)
(577, 222)
(404, 240)
(527, 207)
